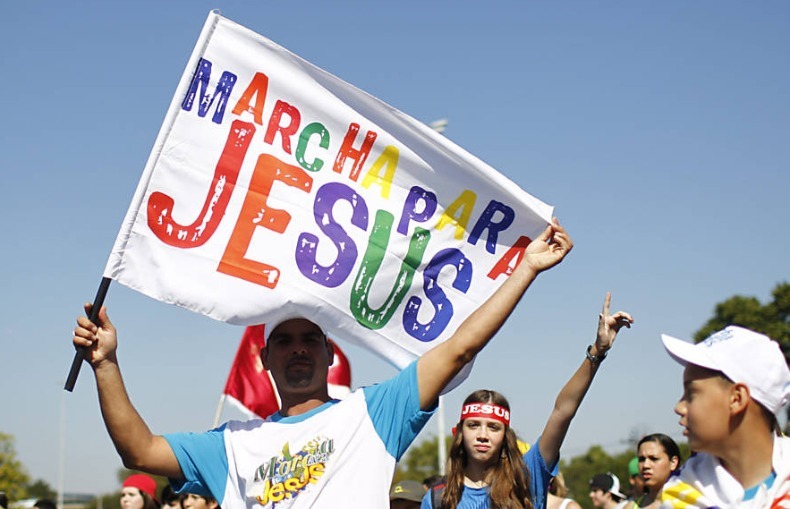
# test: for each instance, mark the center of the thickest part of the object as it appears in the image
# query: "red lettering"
(286, 131)
(160, 205)
(505, 265)
(358, 155)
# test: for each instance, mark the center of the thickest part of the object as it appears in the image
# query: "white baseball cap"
(281, 318)
(744, 356)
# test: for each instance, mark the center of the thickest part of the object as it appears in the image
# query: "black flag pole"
(79, 355)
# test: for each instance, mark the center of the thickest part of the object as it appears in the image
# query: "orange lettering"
(257, 88)
(254, 213)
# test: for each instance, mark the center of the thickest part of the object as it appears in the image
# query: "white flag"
(276, 189)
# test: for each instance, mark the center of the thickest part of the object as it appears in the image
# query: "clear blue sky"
(658, 130)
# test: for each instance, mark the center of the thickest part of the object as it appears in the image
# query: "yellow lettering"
(277, 493)
(387, 160)
(465, 203)
(271, 493)
(316, 471)
(294, 484)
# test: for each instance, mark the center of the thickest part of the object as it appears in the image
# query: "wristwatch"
(595, 359)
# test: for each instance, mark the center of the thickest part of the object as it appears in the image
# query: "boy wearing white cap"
(734, 384)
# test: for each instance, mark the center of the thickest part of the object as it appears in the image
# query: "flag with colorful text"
(274, 188)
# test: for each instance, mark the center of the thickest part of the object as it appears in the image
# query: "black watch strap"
(595, 359)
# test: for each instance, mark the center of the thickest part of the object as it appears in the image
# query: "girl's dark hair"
(167, 496)
(509, 487)
(669, 445)
(148, 501)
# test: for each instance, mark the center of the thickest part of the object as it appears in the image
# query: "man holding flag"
(314, 452)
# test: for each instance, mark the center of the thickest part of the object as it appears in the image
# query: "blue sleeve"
(426, 501)
(539, 475)
(394, 409)
(203, 462)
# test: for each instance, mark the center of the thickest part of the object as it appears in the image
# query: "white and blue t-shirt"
(341, 454)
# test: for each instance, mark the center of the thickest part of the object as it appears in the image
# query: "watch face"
(593, 358)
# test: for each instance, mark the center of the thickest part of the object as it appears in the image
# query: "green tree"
(13, 476)
(772, 319)
(420, 461)
(41, 489)
(579, 470)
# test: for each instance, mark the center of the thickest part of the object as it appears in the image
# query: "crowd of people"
(317, 452)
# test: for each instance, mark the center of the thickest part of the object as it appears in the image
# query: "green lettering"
(371, 263)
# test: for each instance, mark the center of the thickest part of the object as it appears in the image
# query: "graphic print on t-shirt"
(284, 477)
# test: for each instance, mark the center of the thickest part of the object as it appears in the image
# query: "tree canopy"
(13, 476)
(772, 318)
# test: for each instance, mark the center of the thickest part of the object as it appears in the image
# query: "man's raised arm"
(439, 365)
(138, 447)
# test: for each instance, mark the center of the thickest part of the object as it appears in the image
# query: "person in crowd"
(485, 467)
(169, 498)
(605, 491)
(315, 450)
(431, 481)
(45, 503)
(637, 485)
(139, 492)
(193, 501)
(558, 494)
(658, 456)
(735, 383)
(406, 495)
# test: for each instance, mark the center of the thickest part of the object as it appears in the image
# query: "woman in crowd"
(558, 493)
(486, 469)
(139, 492)
(659, 456)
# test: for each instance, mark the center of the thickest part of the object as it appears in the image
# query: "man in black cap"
(406, 495)
(605, 491)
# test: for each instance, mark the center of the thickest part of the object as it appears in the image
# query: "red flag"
(339, 376)
(250, 385)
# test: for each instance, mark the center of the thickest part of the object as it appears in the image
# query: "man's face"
(298, 356)
(599, 497)
(704, 408)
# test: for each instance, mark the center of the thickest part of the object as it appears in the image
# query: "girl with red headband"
(486, 468)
